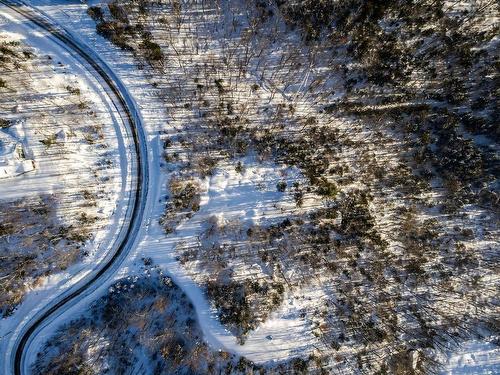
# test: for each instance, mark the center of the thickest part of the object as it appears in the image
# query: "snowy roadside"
(52, 176)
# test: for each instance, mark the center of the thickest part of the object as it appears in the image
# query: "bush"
(96, 13)
(153, 51)
(281, 186)
(326, 188)
(49, 141)
(4, 124)
(118, 12)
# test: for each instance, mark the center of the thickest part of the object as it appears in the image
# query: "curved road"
(126, 107)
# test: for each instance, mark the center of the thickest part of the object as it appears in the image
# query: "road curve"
(125, 105)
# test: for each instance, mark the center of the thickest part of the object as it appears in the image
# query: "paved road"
(127, 108)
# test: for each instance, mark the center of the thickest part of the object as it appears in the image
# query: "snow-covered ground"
(249, 197)
(230, 196)
(153, 242)
(474, 357)
(88, 153)
(13, 142)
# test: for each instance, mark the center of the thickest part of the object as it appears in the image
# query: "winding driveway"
(127, 109)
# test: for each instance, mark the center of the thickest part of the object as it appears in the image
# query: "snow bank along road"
(129, 114)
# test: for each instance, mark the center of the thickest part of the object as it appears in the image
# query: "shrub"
(281, 186)
(326, 188)
(73, 90)
(118, 12)
(96, 13)
(49, 141)
(4, 124)
(153, 51)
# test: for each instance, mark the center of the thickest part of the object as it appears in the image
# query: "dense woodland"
(389, 110)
